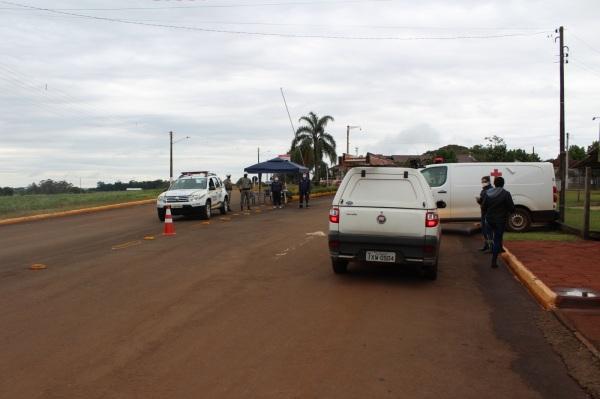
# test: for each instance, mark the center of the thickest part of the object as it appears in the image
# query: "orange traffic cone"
(169, 226)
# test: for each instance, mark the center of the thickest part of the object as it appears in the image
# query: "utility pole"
(567, 164)
(562, 156)
(258, 154)
(171, 156)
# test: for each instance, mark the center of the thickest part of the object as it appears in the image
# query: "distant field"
(25, 205)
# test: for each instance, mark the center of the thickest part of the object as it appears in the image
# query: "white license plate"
(377, 256)
(176, 205)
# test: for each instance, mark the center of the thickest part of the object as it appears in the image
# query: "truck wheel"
(340, 266)
(223, 207)
(431, 272)
(519, 220)
(161, 214)
(205, 211)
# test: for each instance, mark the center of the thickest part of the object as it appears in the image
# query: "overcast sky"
(92, 99)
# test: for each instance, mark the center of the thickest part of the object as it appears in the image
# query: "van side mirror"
(440, 204)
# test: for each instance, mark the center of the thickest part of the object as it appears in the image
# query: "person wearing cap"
(228, 188)
(276, 189)
(245, 185)
(304, 189)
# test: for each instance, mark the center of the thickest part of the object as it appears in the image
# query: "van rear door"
(383, 204)
(439, 179)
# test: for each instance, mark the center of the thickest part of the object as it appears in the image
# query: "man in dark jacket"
(497, 206)
(276, 188)
(304, 189)
(487, 238)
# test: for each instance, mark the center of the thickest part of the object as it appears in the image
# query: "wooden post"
(586, 203)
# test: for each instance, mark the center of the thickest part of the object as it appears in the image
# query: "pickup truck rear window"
(396, 193)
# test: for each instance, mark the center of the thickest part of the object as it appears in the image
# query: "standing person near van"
(228, 188)
(304, 189)
(245, 187)
(497, 204)
(485, 186)
(276, 189)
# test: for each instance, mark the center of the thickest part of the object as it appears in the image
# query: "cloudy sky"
(90, 89)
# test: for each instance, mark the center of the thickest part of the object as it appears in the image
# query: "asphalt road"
(249, 307)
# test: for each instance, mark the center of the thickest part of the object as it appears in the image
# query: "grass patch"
(26, 205)
(540, 236)
(575, 198)
(574, 218)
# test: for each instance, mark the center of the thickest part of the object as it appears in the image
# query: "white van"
(384, 214)
(531, 184)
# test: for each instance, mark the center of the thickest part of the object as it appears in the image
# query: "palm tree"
(312, 135)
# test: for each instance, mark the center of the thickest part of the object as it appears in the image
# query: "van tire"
(519, 220)
(431, 272)
(340, 266)
(205, 211)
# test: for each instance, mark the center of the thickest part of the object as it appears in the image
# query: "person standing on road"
(497, 204)
(276, 188)
(485, 186)
(245, 187)
(228, 188)
(304, 189)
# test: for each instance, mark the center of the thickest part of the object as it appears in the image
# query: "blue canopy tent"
(275, 165)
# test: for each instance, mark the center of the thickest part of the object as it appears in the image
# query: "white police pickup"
(193, 194)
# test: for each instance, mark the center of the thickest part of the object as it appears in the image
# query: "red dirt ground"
(561, 264)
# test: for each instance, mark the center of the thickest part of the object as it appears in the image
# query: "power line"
(586, 43)
(272, 34)
(273, 4)
(583, 66)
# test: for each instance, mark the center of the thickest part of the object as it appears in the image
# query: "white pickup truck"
(384, 214)
(194, 194)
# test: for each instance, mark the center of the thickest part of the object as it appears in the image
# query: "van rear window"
(384, 192)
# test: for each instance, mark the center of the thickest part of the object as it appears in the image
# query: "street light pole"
(171, 142)
(348, 127)
(567, 164)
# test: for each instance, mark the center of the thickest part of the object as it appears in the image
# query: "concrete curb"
(567, 323)
(544, 295)
(315, 195)
(44, 216)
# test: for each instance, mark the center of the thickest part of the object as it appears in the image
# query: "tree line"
(50, 186)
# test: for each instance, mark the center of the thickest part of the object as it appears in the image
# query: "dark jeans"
(303, 197)
(496, 229)
(485, 230)
(276, 198)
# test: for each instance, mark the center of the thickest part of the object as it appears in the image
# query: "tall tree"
(312, 135)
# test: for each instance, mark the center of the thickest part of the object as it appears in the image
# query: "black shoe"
(484, 248)
(300, 206)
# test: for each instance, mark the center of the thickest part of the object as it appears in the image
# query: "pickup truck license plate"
(377, 256)
(176, 205)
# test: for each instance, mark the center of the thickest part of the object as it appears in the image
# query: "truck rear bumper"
(409, 250)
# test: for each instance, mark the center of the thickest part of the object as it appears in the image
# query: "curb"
(567, 323)
(544, 295)
(316, 195)
(53, 215)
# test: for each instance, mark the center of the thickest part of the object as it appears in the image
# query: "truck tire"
(205, 211)
(161, 214)
(223, 207)
(340, 266)
(519, 220)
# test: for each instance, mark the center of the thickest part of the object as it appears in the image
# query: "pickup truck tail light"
(334, 215)
(554, 194)
(431, 219)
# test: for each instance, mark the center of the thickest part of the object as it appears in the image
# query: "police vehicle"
(194, 194)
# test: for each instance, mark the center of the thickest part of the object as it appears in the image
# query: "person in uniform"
(276, 189)
(245, 187)
(487, 240)
(304, 189)
(228, 188)
(497, 204)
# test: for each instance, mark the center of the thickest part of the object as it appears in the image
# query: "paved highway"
(248, 307)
